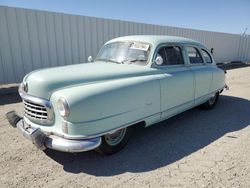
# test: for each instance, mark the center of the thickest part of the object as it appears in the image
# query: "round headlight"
(63, 107)
(23, 88)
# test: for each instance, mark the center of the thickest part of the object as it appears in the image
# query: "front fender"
(115, 102)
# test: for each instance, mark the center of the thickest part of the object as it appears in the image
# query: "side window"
(161, 52)
(206, 56)
(194, 55)
(172, 55)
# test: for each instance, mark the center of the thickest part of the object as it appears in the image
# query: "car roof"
(156, 39)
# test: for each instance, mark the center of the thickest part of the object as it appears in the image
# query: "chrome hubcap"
(116, 137)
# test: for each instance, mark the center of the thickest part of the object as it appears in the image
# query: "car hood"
(42, 83)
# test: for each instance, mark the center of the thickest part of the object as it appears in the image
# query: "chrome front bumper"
(42, 141)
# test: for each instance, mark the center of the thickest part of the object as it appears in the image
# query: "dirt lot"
(194, 149)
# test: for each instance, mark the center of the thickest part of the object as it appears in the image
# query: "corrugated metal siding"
(32, 39)
(244, 48)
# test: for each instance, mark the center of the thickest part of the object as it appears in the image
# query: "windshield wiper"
(108, 60)
(133, 60)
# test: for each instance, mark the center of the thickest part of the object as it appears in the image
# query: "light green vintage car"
(133, 80)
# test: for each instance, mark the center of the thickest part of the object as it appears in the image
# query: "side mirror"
(158, 60)
(90, 59)
(212, 50)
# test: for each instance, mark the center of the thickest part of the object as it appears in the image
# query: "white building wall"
(31, 39)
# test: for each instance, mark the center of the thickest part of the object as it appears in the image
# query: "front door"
(177, 83)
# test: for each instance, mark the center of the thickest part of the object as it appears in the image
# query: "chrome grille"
(38, 112)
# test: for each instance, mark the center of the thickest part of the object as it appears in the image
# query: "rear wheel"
(211, 102)
(115, 141)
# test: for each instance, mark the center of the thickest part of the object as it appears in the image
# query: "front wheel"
(211, 102)
(115, 141)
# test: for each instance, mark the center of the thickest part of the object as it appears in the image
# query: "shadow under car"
(165, 143)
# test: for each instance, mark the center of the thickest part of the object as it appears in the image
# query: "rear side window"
(172, 55)
(194, 55)
(206, 56)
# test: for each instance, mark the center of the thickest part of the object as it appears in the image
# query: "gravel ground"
(194, 149)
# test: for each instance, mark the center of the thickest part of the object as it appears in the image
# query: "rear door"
(202, 73)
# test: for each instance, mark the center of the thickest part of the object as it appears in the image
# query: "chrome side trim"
(86, 137)
(123, 126)
(66, 136)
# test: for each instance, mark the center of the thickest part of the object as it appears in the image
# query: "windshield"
(125, 52)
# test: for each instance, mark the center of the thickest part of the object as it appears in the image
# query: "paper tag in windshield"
(139, 46)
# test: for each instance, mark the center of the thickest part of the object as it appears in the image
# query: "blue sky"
(229, 16)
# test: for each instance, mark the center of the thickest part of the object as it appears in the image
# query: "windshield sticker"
(139, 46)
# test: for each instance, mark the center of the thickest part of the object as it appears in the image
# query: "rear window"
(194, 55)
(206, 56)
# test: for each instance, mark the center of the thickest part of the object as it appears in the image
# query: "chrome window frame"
(154, 65)
(211, 57)
(199, 50)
